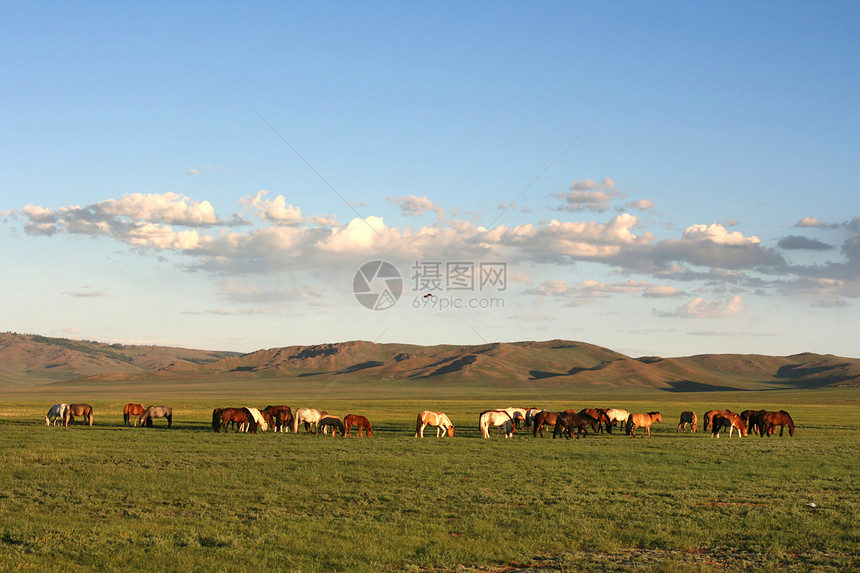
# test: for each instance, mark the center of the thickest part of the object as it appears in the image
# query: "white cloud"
(641, 205)
(700, 308)
(588, 195)
(413, 206)
(276, 210)
(171, 208)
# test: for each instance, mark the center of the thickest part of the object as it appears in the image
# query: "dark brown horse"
(770, 420)
(282, 417)
(240, 416)
(360, 422)
(752, 419)
(569, 422)
(130, 410)
(84, 410)
(544, 418)
(333, 422)
(600, 415)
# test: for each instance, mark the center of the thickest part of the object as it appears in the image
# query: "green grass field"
(189, 499)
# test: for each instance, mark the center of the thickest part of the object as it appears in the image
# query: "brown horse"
(360, 422)
(688, 418)
(544, 418)
(728, 420)
(84, 410)
(240, 416)
(600, 415)
(569, 422)
(130, 410)
(333, 422)
(282, 417)
(709, 417)
(642, 421)
(770, 420)
(752, 419)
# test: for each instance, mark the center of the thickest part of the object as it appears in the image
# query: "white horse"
(530, 416)
(495, 418)
(438, 419)
(56, 414)
(308, 416)
(516, 414)
(259, 419)
(617, 415)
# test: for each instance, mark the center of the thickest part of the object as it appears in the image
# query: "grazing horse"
(516, 414)
(530, 417)
(617, 415)
(156, 412)
(57, 414)
(728, 420)
(360, 422)
(84, 410)
(568, 422)
(132, 410)
(239, 416)
(643, 421)
(753, 421)
(688, 418)
(495, 418)
(544, 418)
(307, 416)
(709, 417)
(333, 422)
(260, 418)
(600, 415)
(770, 420)
(282, 417)
(438, 419)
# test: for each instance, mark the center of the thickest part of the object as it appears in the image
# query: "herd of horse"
(507, 421)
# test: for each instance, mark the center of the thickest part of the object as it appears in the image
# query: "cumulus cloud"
(813, 222)
(413, 206)
(714, 246)
(588, 195)
(276, 210)
(700, 308)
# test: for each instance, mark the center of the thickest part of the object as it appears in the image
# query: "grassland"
(189, 499)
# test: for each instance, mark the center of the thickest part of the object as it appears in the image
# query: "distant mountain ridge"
(31, 359)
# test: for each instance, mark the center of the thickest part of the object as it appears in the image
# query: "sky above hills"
(665, 178)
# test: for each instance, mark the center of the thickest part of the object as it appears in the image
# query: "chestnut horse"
(156, 412)
(770, 420)
(84, 410)
(240, 416)
(728, 420)
(752, 419)
(438, 419)
(567, 422)
(601, 416)
(282, 417)
(333, 422)
(709, 417)
(688, 418)
(57, 414)
(642, 421)
(544, 418)
(360, 422)
(130, 410)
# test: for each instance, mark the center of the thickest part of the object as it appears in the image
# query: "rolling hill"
(31, 360)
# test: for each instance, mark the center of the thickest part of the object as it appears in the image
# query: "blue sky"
(684, 176)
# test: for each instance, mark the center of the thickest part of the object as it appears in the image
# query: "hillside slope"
(33, 360)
